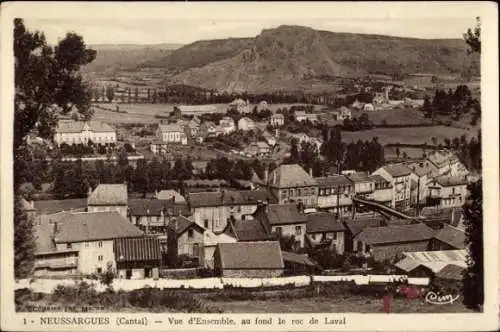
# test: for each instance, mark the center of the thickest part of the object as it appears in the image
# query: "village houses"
(246, 124)
(208, 129)
(399, 177)
(382, 192)
(447, 163)
(324, 230)
(300, 116)
(171, 134)
(277, 120)
(241, 106)
(227, 125)
(291, 184)
(334, 194)
(447, 191)
(79, 132)
(364, 185)
(259, 148)
(185, 240)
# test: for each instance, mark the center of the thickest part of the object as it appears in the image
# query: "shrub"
(153, 298)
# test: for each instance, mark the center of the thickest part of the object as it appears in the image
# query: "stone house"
(447, 191)
(334, 194)
(137, 258)
(185, 238)
(277, 120)
(399, 177)
(108, 197)
(291, 184)
(249, 260)
(79, 132)
(382, 192)
(171, 134)
(448, 238)
(324, 229)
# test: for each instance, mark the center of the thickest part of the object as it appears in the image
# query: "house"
(356, 226)
(199, 167)
(387, 242)
(193, 127)
(300, 116)
(399, 177)
(258, 149)
(285, 220)
(246, 124)
(212, 210)
(208, 129)
(249, 229)
(447, 191)
(80, 132)
(334, 194)
(357, 105)
(448, 238)
(324, 229)
(368, 107)
(447, 163)
(312, 117)
(210, 242)
(302, 137)
(344, 113)
(422, 172)
(262, 106)
(430, 263)
(240, 106)
(277, 120)
(185, 240)
(269, 138)
(137, 258)
(227, 125)
(299, 264)
(249, 260)
(108, 197)
(291, 184)
(171, 133)
(382, 192)
(170, 194)
(363, 184)
(154, 215)
(82, 242)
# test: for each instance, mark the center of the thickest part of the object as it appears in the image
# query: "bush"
(155, 298)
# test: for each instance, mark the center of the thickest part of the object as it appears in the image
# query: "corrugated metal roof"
(137, 249)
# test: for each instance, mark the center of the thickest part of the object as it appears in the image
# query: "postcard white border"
(10, 320)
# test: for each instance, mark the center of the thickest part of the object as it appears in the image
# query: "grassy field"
(353, 304)
(415, 135)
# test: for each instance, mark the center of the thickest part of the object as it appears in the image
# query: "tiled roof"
(94, 226)
(154, 207)
(433, 260)
(212, 239)
(109, 194)
(168, 194)
(54, 206)
(334, 180)
(251, 255)
(293, 257)
(137, 249)
(282, 214)
(323, 222)
(183, 224)
(448, 181)
(230, 197)
(205, 183)
(250, 230)
(172, 127)
(397, 170)
(393, 234)
(451, 272)
(378, 178)
(421, 168)
(288, 176)
(357, 226)
(359, 177)
(66, 126)
(452, 236)
(441, 158)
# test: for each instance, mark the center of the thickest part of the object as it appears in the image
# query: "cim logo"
(434, 298)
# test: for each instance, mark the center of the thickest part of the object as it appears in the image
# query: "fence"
(48, 285)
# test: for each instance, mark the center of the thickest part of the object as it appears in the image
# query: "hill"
(294, 57)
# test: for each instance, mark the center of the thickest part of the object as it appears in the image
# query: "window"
(313, 236)
(86, 244)
(335, 235)
(278, 230)
(190, 233)
(99, 244)
(205, 223)
(453, 191)
(100, 258)
(196, 249)
(283, 193)
(298, 230)
(99, 270)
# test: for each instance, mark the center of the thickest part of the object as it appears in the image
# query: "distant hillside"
(111, 59)
(293, 57)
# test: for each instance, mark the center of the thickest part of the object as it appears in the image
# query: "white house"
(399, 177)
(172, 133)
(270, 139)
(277, 120)
(79, 132)
(227, 125)
(447, 163)
(300, 116)
(241, 106)
(246, 124)
(263, 105)
(448, 191)
(368, 107)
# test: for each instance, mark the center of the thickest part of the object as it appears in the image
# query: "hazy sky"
(187, 22)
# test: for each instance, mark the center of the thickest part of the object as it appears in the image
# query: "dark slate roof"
(54, 206)
(357, 226)
(251, 255)
(94, 226)
(302, 259)
(421, 168)
(250, 230)
(109, 194)
(323, 222)
(183, 224)
(334, 180)
(394, 234)
(230, 197)
(66, 126)
(447, 181)
(378, 178)
(289, 176)
(397, 170)
(360, 177)
(282, 214)
(451, 272)
(205, 183)
(452, 236)
(154, 207)
(137, 249)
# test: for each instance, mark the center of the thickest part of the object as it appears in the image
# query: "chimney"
(266, 175)
(89, 192)
(156, 194)
(310, 172)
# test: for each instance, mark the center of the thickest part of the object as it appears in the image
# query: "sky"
(183, 23)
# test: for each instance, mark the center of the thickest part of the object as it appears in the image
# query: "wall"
(208, 256)
(288, 230)
(381, 252)
(382, 195)
(253, 273)
(400, 188)
(101, 208)
(453, 196)
(136, 274)
(217, 215)
(89, 252)
(338, 239)
(84, 136)
(185, 243)
(308, 195)
(327, 198)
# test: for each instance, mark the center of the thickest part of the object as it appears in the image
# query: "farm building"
(428, 263)
(137, 258)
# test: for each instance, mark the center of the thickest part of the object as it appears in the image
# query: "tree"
(473, 38)
(110, 93)
(47, 81)
(473, 283)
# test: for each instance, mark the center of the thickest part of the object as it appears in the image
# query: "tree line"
(454, 104)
